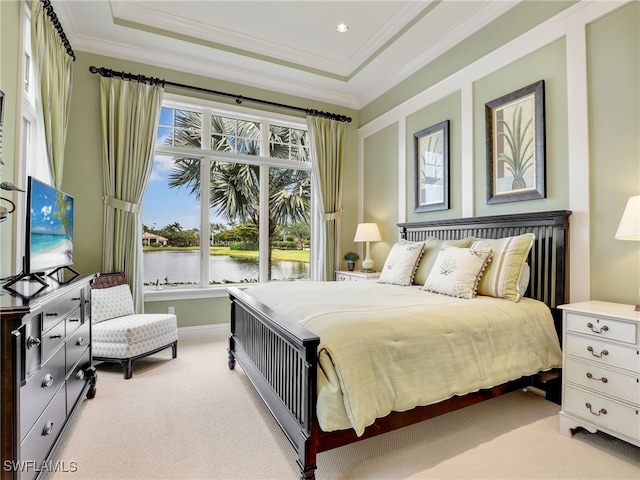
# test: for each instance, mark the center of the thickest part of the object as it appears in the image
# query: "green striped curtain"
(327, 152)
(55, 77)
(130, 114)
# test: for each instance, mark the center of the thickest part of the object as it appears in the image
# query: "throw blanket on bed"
(388, 348)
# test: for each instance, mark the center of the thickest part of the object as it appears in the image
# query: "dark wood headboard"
(549, 255)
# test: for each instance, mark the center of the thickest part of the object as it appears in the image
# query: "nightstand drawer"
(602, 411)
(602, 327)
(623, 386)
(603, 353)
(341, 277)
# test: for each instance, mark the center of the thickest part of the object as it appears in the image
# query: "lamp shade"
(629, 228)
(367, 232)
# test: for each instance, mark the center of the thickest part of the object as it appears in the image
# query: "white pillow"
(457, 270)
(524, 279)
(401, 263)
(112, 302)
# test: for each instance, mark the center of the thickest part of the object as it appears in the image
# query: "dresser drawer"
(341, 277)
(623, 386)
(59, 310)
(35, 447)
(603, 353)
(602, 327)
(77, 380)
(52, 340)
(601, 411)
(73, 321)
(40, 388)
(77, 344)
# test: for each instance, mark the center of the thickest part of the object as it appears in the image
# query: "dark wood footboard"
(280, 359)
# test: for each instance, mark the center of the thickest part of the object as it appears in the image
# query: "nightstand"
(346, 276)
(601, 369)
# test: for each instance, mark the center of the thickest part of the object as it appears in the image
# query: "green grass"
(291, 255)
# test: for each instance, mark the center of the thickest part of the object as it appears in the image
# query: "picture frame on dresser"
(516, 158)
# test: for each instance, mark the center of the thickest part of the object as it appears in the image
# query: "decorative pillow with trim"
(502, 277)
(430, 253)
(112, 302)
(456, 271)
(400, 265)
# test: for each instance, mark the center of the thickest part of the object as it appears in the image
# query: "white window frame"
(208, 108)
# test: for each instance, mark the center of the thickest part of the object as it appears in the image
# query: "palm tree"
(520, 159)
(235, 187)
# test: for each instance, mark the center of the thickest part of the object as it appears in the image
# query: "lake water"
(185, 267)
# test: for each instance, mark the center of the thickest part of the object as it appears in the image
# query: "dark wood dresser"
(45, 367)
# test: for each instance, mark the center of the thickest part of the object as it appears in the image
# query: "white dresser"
(601, 369)
(346, 276)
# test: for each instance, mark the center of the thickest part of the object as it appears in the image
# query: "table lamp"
(629, 228)
(367, 232)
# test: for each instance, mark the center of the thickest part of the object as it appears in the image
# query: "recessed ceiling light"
(342, 27)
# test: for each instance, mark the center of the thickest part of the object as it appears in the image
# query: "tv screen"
(49, 228)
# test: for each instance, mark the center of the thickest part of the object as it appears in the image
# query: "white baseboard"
(215, 331)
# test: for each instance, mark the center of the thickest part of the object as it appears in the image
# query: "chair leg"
(128, 368)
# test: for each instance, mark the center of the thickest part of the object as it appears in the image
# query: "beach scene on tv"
(51, 229)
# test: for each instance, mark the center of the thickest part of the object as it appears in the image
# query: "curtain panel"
(130, 114)
(327, 148)
(55, 75)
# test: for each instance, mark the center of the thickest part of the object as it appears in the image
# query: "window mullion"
(205, 187)
(263, 263)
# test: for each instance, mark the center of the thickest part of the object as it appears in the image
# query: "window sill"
(151, 294)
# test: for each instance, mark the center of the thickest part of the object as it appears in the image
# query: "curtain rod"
(107, 72)
(56, 23)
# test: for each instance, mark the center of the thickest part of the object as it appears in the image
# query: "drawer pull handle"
(602, 411)
(76, 299)
(55, 336)
(603, 329)
(47, 381)
(80, 341)
(74, 319)
(603, 379)
(80, 375)
(32, 342)
(48, 428)
(52, 314)
(602, 354)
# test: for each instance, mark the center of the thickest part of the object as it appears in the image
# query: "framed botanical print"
(516, 145)
(431, 147)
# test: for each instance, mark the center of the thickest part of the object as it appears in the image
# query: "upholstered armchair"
(120, 335)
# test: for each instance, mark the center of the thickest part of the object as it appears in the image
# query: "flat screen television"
(49, 233)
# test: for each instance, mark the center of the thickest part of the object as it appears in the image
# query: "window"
(218, 209)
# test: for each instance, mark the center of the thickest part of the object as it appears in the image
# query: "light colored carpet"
(193, 418)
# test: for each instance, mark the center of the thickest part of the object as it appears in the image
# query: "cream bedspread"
(387, 348)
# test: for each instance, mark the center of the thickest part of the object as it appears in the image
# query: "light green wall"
(447, 108)
(502, 30)
(380, 189)
(83, 178)
(546, 64)
(10, 68)
(614, 106)
(613, 57)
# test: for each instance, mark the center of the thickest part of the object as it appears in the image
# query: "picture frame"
(431, 147)
(516, 158)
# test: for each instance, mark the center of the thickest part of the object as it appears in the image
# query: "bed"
(301, 365)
